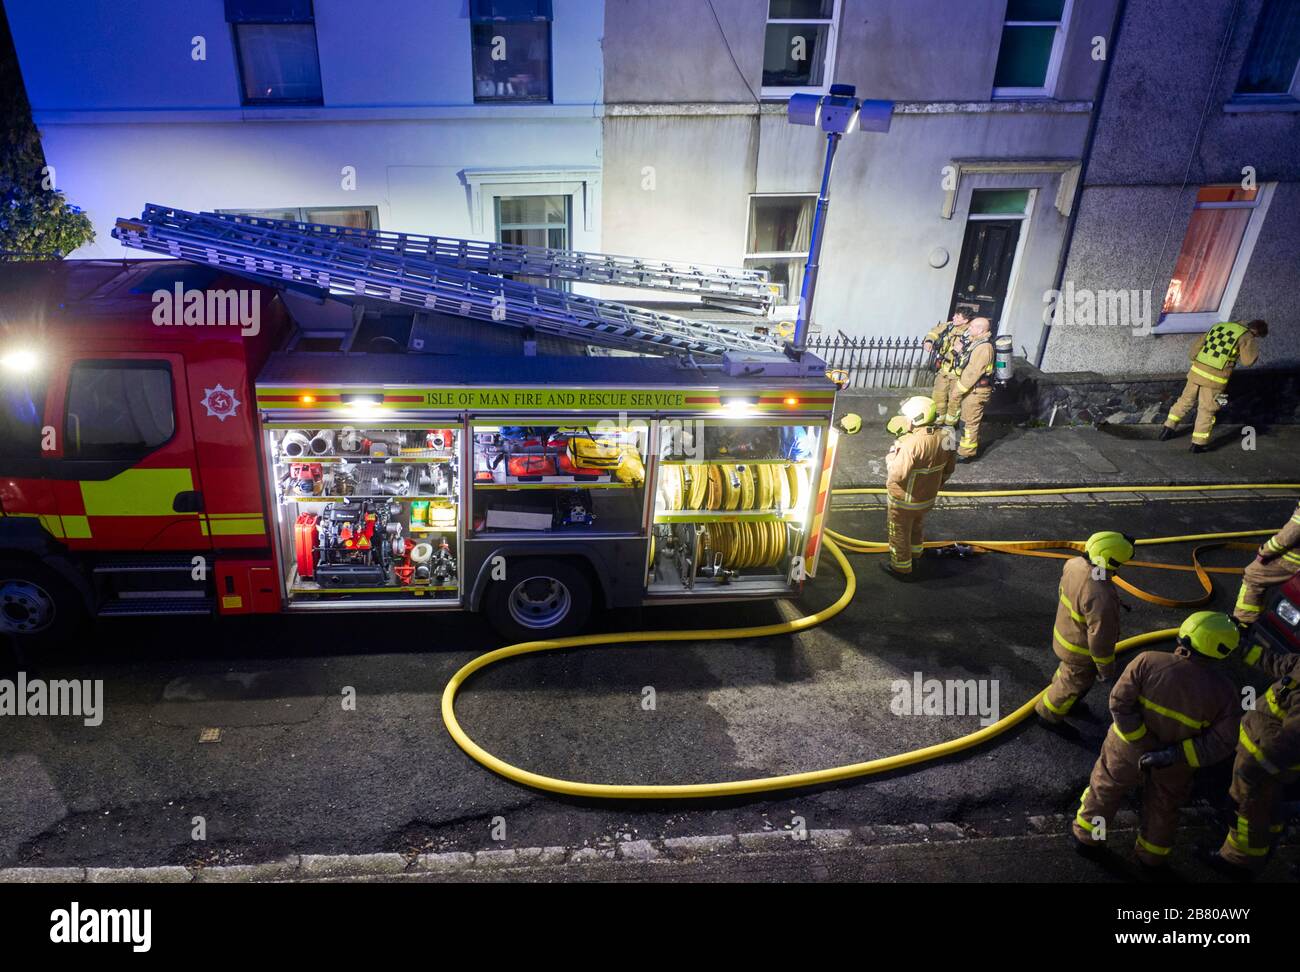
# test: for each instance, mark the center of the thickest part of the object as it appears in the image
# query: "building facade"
(967, 199)
(474, 118)
(1191, 196)
(659, 129)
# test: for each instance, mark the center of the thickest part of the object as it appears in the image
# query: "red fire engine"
(274, 421)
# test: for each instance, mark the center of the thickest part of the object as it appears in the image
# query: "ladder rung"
(740, 285)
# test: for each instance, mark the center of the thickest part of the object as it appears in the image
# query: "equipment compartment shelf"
(550, 482)
(727, 516)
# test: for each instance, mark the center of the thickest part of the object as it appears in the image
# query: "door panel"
(123, 475)
(988, 255)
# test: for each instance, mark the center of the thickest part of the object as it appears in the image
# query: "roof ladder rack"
(333, 264)
(731, 285)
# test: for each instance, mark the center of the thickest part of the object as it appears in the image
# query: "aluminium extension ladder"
(723, 285)
(334, 264)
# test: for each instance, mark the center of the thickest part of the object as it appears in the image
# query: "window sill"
(283, 103)
(767, 93)
(1282, 103)
(1186, 323)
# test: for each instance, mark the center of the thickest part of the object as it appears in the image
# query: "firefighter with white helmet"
(919, 463)
(1173, 713)
(1087, 623)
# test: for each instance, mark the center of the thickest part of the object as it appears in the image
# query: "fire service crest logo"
(221, 403)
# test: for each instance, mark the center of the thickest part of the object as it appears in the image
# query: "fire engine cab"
(216, 435)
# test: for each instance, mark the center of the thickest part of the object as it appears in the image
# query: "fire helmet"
(1210, 633)
(1109, 549)
(918, 410)
(850, 423)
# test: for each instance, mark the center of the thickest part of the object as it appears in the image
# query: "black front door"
(984, 271)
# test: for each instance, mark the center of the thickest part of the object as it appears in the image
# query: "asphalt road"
(296, 772)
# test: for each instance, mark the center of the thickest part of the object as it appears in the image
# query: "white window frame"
(778, 92)
(792, 299)
(583, 184)
(1200, 320)
(1048, 90)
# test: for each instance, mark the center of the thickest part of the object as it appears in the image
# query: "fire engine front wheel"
(36, 603)
(539, 599)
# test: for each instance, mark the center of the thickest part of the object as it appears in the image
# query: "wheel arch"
(25, 540)
(580, 555)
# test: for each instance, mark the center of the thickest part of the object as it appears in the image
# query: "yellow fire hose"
(835, 773)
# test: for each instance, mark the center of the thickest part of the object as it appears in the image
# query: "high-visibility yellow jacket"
(1087, 616)
(1177, 699)
(918, 465)
(1219, 351)
(1270, 732)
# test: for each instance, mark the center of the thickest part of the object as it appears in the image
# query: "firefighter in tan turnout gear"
(918, 465)
(1172, 714)
(1268, 758)
(974, 364)
(1213, 358)
(942, 340)
(1087, 623)
(1277, 561)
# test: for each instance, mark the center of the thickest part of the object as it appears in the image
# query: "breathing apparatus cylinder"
(1004, 347)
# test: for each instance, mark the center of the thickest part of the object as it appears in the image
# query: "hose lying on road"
(832, 774)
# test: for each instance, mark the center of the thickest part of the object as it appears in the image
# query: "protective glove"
(1158, 759)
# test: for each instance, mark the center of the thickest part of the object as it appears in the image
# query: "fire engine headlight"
(361, 405)
(20, 361)
(740, 406)
(1288, 612)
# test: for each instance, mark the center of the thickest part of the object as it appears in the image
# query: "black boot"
(1166, 433)
(896, 574)
(1092, 850)
(1209, 856)
(1198, 449)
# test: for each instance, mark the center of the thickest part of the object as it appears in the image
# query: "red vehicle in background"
(1278, 627)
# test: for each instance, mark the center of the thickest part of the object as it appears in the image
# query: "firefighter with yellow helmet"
(1173, 712)
(1087, 623)
(1213, 359)
(918, 464)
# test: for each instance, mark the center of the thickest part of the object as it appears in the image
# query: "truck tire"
(539, 599)
(37, 606)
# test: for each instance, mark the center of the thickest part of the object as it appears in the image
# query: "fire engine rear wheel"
(539, 599)
(36, 604)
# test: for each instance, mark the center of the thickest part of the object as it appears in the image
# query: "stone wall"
(1256, 396)
(1263, 396)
